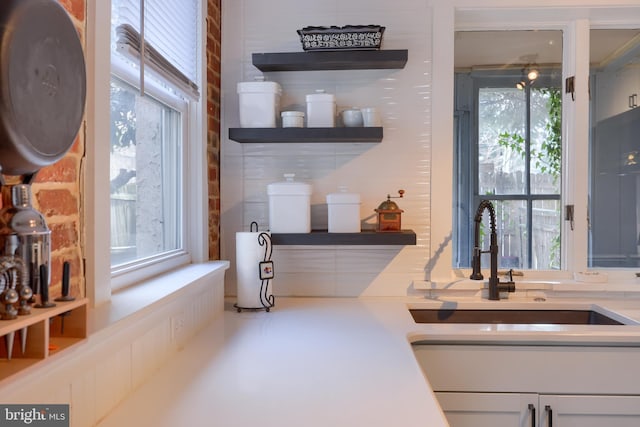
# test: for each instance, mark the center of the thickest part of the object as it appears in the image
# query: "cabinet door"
(589, 411)
(488, 409)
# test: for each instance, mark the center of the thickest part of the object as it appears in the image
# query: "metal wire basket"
(349, 37)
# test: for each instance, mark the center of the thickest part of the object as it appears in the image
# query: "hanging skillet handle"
(29, 178)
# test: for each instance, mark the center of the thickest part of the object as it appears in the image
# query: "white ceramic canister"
(343, 211)
(289, 206)
(371, 117)
(292, 119)
(259, 103)
(352, 117)
(321, 110)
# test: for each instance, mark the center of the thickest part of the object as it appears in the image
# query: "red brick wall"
(213, 124)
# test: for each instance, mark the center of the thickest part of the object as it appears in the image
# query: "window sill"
(151, 294)
(118, 325)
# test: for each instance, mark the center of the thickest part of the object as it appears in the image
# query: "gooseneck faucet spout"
(495, 287)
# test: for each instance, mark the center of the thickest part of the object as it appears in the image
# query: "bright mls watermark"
(34, 415)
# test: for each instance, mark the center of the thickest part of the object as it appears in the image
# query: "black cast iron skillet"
(42, 84)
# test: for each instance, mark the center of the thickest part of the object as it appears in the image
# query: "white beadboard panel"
(206, 308)
(96, 375)
(83, 399)
(60, 393)
(46, 392)
(113, 380)
(148, 352)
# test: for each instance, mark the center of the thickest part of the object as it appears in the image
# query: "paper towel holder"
(265, 272)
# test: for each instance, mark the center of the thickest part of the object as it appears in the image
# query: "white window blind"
(170, 38)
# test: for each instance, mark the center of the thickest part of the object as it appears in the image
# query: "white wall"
(415, 154)
(373, 170)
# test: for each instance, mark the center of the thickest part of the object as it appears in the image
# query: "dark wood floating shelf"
(356, 134)
(331, 60)
(322, 237)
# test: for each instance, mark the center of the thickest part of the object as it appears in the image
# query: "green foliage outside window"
(549, 158)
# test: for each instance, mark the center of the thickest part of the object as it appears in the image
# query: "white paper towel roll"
(249, 254)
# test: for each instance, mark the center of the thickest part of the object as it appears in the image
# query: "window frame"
(124, 275)
(467, 194)
(446, 20)
(100, 283)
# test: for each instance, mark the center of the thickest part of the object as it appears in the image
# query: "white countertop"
(330, 362)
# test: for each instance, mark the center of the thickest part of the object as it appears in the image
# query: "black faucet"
(495, 287)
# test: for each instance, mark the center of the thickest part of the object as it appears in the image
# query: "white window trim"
(124, 276)
(575, 124)
(95, 169)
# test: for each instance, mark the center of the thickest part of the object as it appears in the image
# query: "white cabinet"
(488, 409)
(589, 411)
(567, 386)
(538, 410)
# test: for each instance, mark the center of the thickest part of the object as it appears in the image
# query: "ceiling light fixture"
(529, 75)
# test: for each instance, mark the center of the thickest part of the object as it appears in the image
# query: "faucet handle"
(510, 273)
(475, 265)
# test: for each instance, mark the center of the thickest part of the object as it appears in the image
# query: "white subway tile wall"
(400, 161)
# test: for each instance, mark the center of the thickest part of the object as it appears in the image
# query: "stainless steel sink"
(511, 316)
